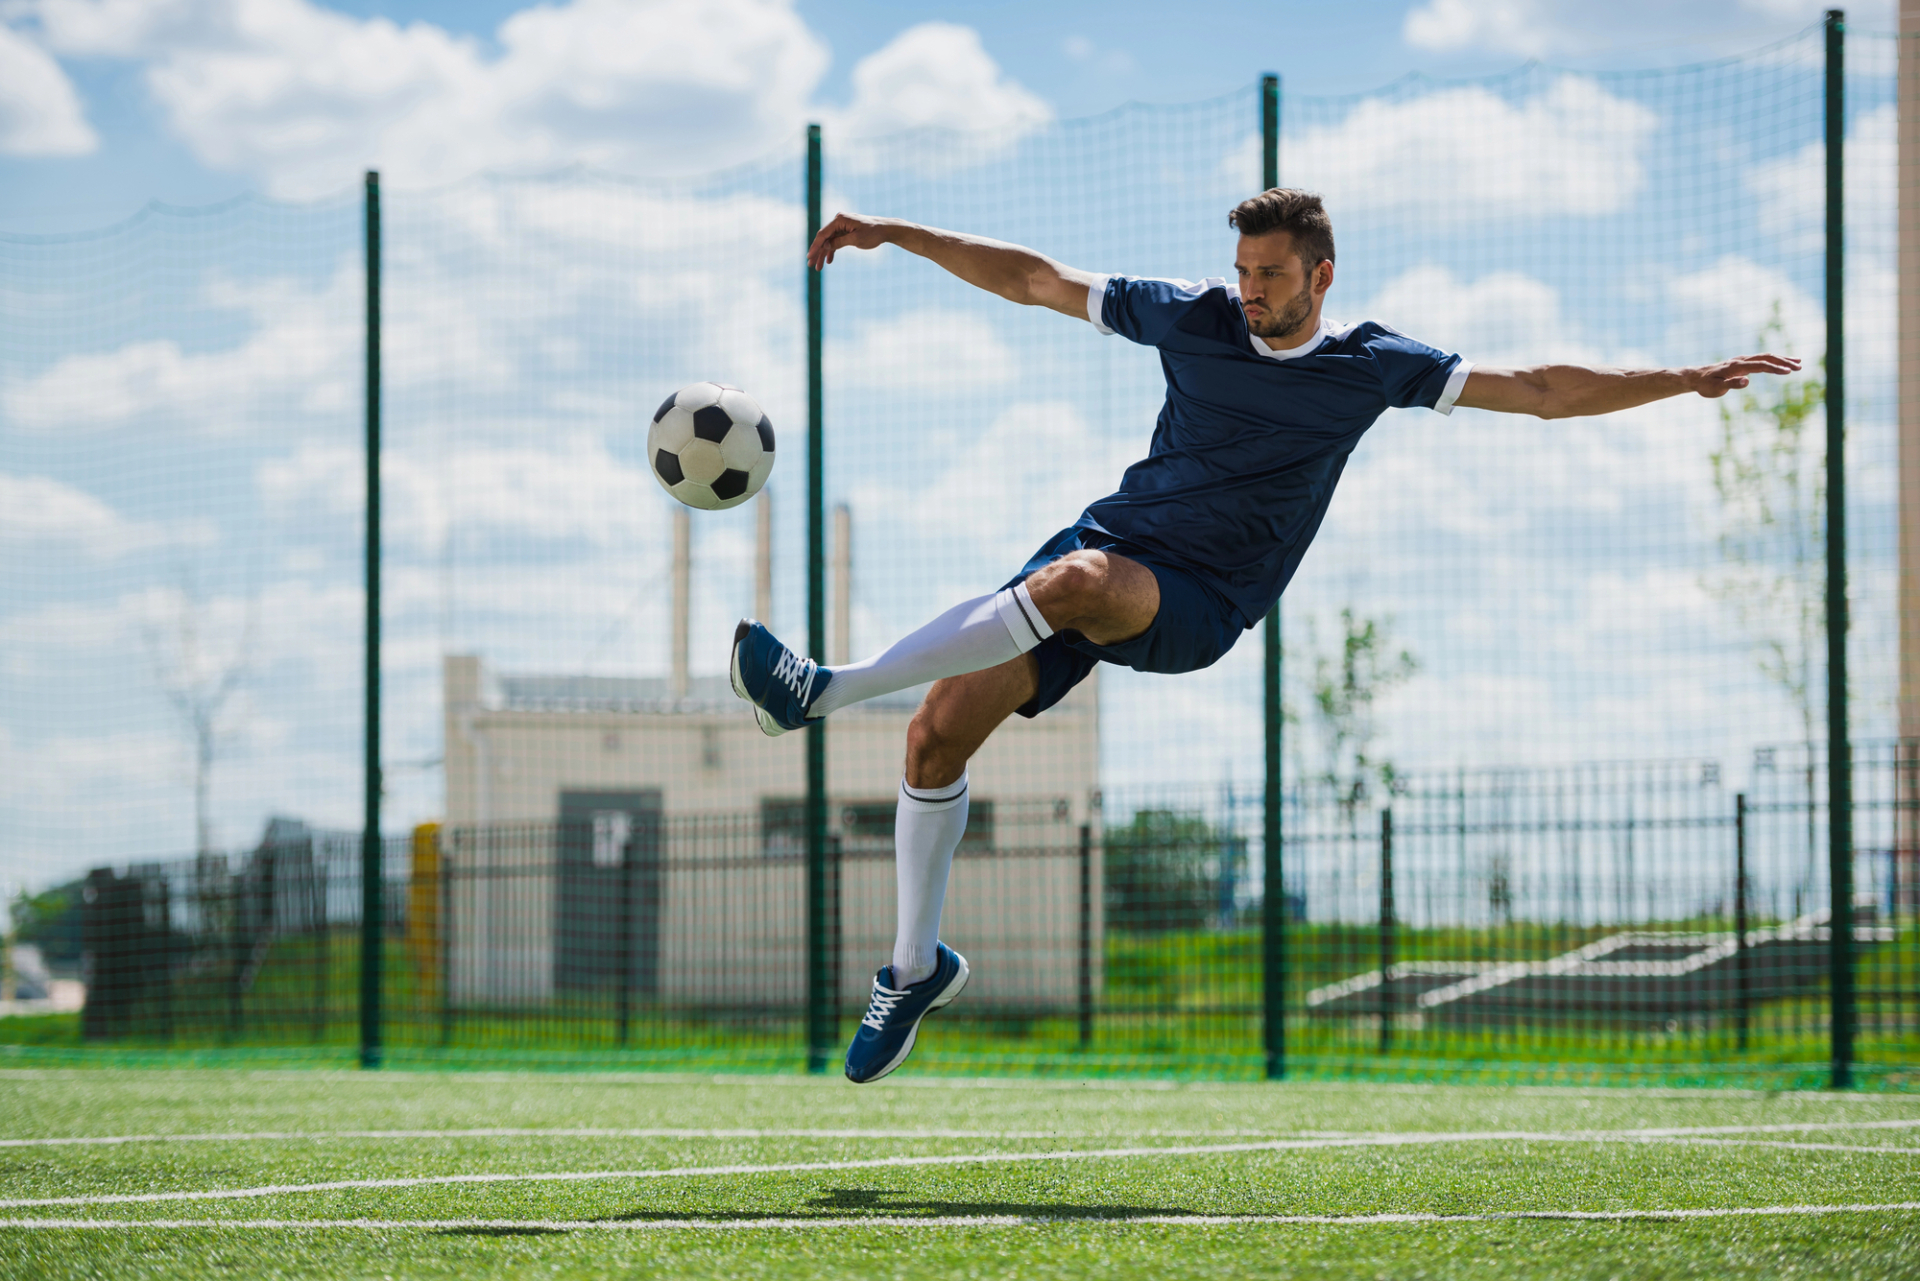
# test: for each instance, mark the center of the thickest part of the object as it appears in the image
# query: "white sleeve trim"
(1455, 382)
(1096, 299)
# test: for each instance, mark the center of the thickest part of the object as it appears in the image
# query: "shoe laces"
(880, 1006)
(796, 673)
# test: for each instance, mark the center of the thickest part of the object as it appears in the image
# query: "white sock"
(982, 633)
(926, 830)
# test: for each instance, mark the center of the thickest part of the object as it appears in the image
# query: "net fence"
(1555, 692)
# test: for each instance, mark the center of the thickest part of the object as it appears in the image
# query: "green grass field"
(129, 1173)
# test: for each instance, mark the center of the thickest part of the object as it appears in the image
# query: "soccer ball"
(710, 446)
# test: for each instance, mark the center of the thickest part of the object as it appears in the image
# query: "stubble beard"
(1292, 316)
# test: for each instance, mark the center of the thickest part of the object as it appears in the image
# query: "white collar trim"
(1291, 353)
(1286, 353)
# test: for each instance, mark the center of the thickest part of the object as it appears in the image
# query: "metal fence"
(1634, 920)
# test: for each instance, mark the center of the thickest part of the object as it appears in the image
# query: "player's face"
(1277, 291)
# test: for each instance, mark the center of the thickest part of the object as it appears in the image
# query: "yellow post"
(423, 917)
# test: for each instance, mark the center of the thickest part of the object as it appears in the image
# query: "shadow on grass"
(839, 1202)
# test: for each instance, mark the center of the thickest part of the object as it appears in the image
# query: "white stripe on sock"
(1021, 617)
(935, 795)
(1032, 611)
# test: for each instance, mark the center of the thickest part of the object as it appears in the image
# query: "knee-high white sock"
(981, 633)
(926, 830)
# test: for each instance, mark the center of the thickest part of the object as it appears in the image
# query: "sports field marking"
(889, 1162)
(536, 1132)
(961, 1221)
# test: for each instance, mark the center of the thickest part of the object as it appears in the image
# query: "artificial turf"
(1054, 1217)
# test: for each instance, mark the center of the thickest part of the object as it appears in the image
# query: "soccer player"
(1266, 398)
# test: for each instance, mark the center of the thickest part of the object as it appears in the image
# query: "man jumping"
(1265, 401)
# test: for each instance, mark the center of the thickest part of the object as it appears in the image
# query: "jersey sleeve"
(1143, 310)
(1416, 376)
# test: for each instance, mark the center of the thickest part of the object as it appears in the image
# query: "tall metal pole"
(1839, 750)
(1743, 991)
(1085, 986)
(1273, 913)
(820, 1029)
(1906, 838)
(372, 904)
(1386, 929)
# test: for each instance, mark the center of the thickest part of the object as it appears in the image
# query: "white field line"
(889, 1162)
(536, 1132)
(1800, 1147)
(964, 1221)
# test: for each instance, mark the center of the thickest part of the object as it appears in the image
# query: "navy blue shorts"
(1195, 625)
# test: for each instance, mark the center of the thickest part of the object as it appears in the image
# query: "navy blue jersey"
(1251, 441)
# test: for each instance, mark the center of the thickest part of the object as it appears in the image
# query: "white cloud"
(1573, 149)
(934, 76)
(1718, 311)
(1001, 490)
(568, 262)
(1079, 49)
(43, 514)
(1522, 26)
(1505, 317)
(306, 97)
(1544, 28)
(938, 75)
(930, 351)
(1792, 189)
(570, 488)
(40, 112)
(303, 345)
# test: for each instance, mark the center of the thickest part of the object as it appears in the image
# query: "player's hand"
(847, 231)
(1715, 381)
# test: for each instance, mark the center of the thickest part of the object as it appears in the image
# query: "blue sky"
(179, 435)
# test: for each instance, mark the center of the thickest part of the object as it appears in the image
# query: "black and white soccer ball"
(710, 446)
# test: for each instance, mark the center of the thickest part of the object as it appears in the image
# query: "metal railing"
(1624, 915)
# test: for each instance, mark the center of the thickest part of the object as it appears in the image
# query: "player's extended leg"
(1104, 596)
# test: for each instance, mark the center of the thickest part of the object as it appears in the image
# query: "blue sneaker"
(779, 683)
(893, 1016)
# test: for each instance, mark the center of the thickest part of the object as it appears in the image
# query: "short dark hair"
(1298, 213)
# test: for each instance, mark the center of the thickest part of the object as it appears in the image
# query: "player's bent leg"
(1106, 597)
(959, 714)
(957, 717)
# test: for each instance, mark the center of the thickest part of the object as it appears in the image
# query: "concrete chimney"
(840, 640)
(763, 557)
(682, 596)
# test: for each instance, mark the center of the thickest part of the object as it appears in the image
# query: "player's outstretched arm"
(1016, 274)
(1574, 391)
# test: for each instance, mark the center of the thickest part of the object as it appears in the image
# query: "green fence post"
(372, 898)
(1743, 990)
(1387, 915)
(1085, 984)
(1839, 751)
(819, 1022)
(1273, 912)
